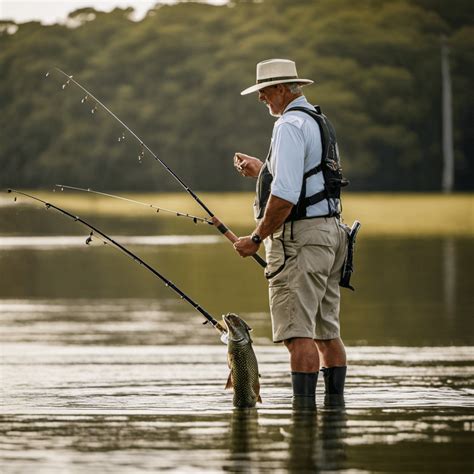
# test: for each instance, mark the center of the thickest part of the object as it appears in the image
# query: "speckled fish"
(242, 362)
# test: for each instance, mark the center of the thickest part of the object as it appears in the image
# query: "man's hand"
(247, 165)
(276, 212)
(245, 246)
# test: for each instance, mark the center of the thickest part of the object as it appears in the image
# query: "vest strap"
(315, 198)
(333, 179)
(313, 171)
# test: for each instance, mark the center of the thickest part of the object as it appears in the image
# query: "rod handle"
(224, 230)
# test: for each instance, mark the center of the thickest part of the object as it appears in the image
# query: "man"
(298, 221)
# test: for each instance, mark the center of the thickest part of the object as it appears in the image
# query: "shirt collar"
(300, 101)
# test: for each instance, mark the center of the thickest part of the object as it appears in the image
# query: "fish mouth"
(228, 320)
(228, 323)
(237, 328)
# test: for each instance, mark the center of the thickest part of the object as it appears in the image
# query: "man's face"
(274, 98)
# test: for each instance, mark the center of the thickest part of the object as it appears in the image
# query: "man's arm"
(288, 169)
(276, 212)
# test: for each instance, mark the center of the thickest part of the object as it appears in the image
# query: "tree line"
(175, 78)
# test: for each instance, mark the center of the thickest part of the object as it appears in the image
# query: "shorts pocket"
(316, 259)
(316, 236)
(276, 259)
(283, 310)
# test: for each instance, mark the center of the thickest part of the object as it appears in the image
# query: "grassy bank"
(380, 213)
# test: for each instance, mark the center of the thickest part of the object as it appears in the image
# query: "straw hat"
(275, 71)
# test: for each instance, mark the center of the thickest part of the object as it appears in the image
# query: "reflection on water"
(104, 370)
(243, 440)
(107, 322)
(61, 241)
(295, 442)
(330, 441)
(53, 378)
(106, 408)
(449, 277)
(408, 292)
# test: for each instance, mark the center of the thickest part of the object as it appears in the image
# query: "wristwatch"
(256, 239)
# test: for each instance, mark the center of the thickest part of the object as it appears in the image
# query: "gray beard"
(271, 113)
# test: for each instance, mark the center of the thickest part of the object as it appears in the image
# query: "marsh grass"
(379, 213)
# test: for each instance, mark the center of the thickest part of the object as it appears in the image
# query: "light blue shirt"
(296, 148)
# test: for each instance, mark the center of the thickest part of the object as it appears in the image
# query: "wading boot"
(304, 390)
(334, 379)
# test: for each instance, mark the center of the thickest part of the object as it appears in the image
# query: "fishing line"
(96, 103)
(135, 258)
(195, 219)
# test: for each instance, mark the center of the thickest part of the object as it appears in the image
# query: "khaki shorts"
(303, 272)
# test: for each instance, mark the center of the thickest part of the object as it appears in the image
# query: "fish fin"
(229, 360)
(229, 383)
(256, 389)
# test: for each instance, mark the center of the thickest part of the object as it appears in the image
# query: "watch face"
(256, 238)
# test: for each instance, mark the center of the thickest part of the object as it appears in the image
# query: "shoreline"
(383, 214)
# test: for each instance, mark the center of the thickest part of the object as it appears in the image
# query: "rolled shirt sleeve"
(287, 160)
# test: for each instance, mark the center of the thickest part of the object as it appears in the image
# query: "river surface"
(103, 369)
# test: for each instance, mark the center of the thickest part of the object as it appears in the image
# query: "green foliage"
(175, 79)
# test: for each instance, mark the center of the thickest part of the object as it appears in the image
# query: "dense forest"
(175, 79)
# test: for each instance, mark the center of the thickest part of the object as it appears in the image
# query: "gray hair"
(294, 87)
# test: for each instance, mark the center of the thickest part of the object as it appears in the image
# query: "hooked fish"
(242, 362)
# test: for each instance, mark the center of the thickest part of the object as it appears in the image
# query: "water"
(104, 370)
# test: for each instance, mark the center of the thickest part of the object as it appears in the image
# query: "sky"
(56, 11)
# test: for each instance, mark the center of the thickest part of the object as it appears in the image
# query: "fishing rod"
(89, 97)
(135, 258)
(195, 219)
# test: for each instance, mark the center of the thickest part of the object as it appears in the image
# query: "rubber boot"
(304, 390)
(334, 379)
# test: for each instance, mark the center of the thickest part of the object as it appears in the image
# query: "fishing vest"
(330, 166)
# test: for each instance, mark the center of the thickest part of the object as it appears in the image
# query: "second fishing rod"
(90, 98)
(106, 238)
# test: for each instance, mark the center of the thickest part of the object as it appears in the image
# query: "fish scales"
(243, 364)
(244, 374)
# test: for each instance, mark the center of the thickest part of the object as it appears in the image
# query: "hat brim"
(262, 85)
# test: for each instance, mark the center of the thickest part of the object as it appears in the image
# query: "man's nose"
(261, 96)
